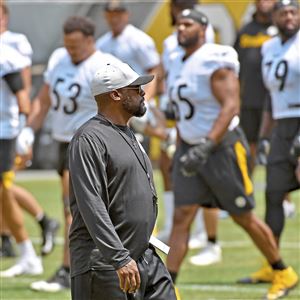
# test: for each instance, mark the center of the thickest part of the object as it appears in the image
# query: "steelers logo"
(240, 201)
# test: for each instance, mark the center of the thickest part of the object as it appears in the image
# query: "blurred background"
(41, 21)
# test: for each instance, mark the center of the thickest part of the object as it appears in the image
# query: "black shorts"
(250, 122)
(63, 158)
(223, 181)
(281, 165)
(7, 154)
(156, 283)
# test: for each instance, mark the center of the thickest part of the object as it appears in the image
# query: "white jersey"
(132, 46)
(189, 89)
(70, 91)
(281, 74)
(19, 42)
(10, 62)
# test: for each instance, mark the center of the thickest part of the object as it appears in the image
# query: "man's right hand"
(129, 277)
(263, 149)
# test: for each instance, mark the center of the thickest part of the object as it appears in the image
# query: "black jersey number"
(75, 88)
(281, 72)
(190, 114)
(191, 111)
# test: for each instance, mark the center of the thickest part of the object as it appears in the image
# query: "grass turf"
(240, 257)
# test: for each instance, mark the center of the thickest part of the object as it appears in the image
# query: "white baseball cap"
(116, 76)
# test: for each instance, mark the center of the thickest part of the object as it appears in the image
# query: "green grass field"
(240, 257)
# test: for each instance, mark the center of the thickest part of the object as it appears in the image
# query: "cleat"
(211, 254)
(25, 266)
(264, 275)
(197, 241)
(60, 281)
(48, 235)
(7, 249)
(283, 282)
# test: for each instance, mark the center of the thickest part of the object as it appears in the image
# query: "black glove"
(196, 157)
(262, 152)
(295, 149)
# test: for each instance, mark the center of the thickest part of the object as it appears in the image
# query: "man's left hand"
(196, 157)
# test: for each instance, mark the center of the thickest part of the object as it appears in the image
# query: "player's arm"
(16, 85)
(26, 76)
(268, 122)
(225, 88)
(40, 107)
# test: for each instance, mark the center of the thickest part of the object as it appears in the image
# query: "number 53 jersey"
(281, 75)
(189, 88)
(70, 90)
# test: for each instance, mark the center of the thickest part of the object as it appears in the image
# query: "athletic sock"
(43, 221)
(168, 197)
(212, 239)
(26, 249)
(173, 276)
(199, 224)
(279, 265)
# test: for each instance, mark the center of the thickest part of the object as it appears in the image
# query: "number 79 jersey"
(281, 75)
(70, 91)
(189, 88)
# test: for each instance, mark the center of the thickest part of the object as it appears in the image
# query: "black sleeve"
(89, 183)
(14, 81)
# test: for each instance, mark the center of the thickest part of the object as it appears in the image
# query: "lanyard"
(134, 148)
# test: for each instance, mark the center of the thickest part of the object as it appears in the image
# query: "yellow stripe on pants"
(241, 155)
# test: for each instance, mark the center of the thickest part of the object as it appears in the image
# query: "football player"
(14, 109)
(281, 74)
(211, 162)
(49, 226)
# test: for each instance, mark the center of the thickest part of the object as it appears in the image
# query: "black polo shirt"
(111, 198)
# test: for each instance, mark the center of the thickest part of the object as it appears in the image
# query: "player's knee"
(248, 220)
(183, 216)
(7, 179)
(274, 198)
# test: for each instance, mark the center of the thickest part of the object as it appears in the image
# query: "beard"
(192, 41)
(135, 110)
(288, 33)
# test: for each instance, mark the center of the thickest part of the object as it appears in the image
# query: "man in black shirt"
(113, 200)
(253, 93)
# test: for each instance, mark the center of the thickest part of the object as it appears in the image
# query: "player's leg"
(198, 238)
(168, 196)
(61, 279)
(48, 225)
(281, 177)
(188, 192)
(28, 263)
(212, 252)
(183, 218)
